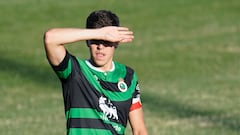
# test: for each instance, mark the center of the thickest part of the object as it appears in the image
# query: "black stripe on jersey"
(113, 86)
(129, 76)
(63, 65)
(90, 123)
(109, 86)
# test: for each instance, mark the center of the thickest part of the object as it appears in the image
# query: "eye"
(105, 43)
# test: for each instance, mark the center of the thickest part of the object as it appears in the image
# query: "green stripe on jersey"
(93, 114)
(114, 96)
(86, 131)
(83, 113)
(65, 73)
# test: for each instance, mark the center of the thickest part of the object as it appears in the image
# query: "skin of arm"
(136, 120)
(56, 38)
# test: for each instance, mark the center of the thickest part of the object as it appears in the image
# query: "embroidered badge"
(122, 86)
(109, 110)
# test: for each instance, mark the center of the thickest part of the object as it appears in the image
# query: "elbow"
(48, 37)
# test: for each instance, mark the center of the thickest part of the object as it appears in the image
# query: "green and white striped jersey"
(96, 102)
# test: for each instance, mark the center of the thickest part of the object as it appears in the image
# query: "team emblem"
(122, 86)
(109, 110)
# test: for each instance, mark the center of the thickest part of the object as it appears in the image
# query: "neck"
(103, 68)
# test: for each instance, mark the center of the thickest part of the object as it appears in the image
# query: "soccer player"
(100, 95)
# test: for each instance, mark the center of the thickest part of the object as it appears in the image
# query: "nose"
(100, 46)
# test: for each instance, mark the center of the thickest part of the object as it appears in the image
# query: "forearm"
(61, 36)
(140, 132)
(55, 39)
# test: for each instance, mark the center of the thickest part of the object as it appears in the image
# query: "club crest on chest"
(122, 86)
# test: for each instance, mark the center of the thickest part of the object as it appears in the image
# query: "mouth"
(100, 55)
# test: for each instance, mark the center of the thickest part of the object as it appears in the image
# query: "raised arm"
(55, 39)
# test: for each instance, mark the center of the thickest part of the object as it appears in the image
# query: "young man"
(99, 95)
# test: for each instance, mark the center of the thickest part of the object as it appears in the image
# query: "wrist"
(96, 34)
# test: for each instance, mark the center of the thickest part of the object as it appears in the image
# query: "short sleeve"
(136, 101)
(64, 69)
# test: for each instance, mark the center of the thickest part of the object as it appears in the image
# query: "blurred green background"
(186, 54)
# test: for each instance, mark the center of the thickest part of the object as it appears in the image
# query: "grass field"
(186, 54)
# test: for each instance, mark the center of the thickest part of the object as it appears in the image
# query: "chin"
(99, 63)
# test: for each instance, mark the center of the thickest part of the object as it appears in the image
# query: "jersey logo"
(122, 86)
(108, 108)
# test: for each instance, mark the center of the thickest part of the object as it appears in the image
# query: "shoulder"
(122, 67)
(126, 71)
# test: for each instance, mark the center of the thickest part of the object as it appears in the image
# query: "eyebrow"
(103, 42)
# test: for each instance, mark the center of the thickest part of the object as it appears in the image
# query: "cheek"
(92, 48)
(111, 51)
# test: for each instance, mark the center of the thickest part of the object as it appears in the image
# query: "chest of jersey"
(98, 100)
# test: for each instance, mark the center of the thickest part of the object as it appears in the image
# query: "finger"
(122, 28)
(126, 32)
(127, 36)
(126, 40)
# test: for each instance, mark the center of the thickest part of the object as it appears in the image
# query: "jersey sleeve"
(64, 69)
(136, 101)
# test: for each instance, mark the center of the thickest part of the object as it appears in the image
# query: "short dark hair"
(102, 18)
(99, 19)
